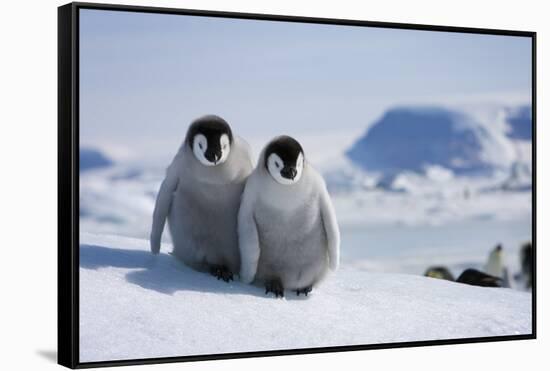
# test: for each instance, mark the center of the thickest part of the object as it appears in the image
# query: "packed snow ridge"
(136, 305)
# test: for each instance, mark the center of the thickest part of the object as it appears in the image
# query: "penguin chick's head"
(284, 160)
(210, 139)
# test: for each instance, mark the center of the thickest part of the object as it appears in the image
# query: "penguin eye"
(200, 146)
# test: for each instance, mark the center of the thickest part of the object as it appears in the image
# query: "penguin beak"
(289, 173)
(213, 156)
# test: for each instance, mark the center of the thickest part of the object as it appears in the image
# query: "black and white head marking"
(284, 160)
(210, 139)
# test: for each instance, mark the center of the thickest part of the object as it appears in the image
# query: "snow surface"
(136, 305)
(394, 225)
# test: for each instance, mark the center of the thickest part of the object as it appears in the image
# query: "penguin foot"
(221, 272)
(305, 290)
(276, 287)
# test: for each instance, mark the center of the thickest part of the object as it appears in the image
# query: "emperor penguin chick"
(288, 234)
(200, 197)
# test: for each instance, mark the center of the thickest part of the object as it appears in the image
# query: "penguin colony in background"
(495, 273)
(273, 225)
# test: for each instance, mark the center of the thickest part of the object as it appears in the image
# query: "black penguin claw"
(222, 273)
(305, 291)
(276, 287)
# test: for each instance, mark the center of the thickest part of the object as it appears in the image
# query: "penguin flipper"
(249, 244)
(162, 205)
(328, 216)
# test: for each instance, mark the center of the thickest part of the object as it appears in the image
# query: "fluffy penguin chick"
(200, 196)
(288, 234)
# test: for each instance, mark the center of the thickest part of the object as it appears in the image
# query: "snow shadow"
(94, 257)
(164, 273)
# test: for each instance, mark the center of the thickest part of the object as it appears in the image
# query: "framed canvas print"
(240, 185)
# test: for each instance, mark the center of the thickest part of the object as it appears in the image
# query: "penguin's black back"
(478, 278)
(439, 272)
(527, 263)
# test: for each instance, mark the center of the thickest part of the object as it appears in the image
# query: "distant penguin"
(200, 196)
(494, 266)
(439, 272)
(478, 278)
(506, 278)
(288, 234)
(526, 260)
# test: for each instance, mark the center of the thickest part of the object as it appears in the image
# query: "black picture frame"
(68, 181)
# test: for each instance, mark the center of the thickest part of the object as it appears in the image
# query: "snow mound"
(118, 200)
(519, 121)
(135, 305)
(411, 138)
(520, 178)
(93, 159)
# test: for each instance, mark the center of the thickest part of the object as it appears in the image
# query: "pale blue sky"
(144, 77)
